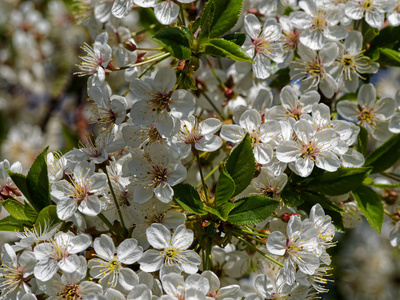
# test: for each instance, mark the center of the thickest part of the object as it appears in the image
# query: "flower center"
(70, 292)
(161, 102)
(169, 255)
(309, 151)
(319, 23)
(159, 174)
(114, 265)
(348, 61)
(366, 116)
(294, 112)
(261, 45)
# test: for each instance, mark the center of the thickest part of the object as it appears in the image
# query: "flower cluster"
(214, 160)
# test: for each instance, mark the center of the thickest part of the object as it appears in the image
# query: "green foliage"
(384, 156)
(224, 48)
(225, 187)
(219, 16)
(38, 182)
(252, 209)
(9, 223)
(237, 37)
(383, 45)
(314, 198)
(188, 198)
(291, 197)
(47, 215)
(174, 41)
(371, 205)
(343, 181)
(362, 141)
(241, 165)
(16, 210)
(35, 187)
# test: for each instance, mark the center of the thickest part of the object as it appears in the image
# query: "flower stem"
(150, 49)
(211, 172)
(202, 179)
(215, 73)
(115, 200)
(109, 225)
(182, 15)
(144, 30)
(259, 251)
(212, 103)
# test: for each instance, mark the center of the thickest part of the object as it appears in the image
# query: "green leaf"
(47, 216)
(362, 141)
(219, 16)
(252, 209)
(389, 57)
(11, 224)
(314, 198)
(371, 205)
(223, 212)
(384, 156)
(20, 182)
(174, 41)
(225, 187)
(206, 20)
(237, 37)
(38, 182)
(281, 78)
(15, 209)
(224, 48)
(189, 199)
(389, 37)
(290, 197)
(30, 213)
(343, 181)
(241, 165)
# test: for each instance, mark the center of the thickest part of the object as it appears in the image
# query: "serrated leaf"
(241, 165)
(362, 141)
(47, 216)
(224, 48)
(38, 182)
(252, 209)
(11, 224)
(384, 156)
(206, 20)
(340, 182)
(371, 205)
(15, 209)
(188, 198)
(237, 37)
(225, 16)
(174, 41)
(225, 187)
(291, 198)
(314, 198)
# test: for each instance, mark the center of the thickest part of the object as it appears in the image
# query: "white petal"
(166, 12)
(165, 80)
(158, 236)
(276, 243)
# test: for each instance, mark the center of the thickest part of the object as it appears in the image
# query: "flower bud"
(130, 44)
(286, 217)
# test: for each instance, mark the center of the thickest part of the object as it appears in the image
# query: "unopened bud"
(286, 217)
(390, 196)
(130, 44)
